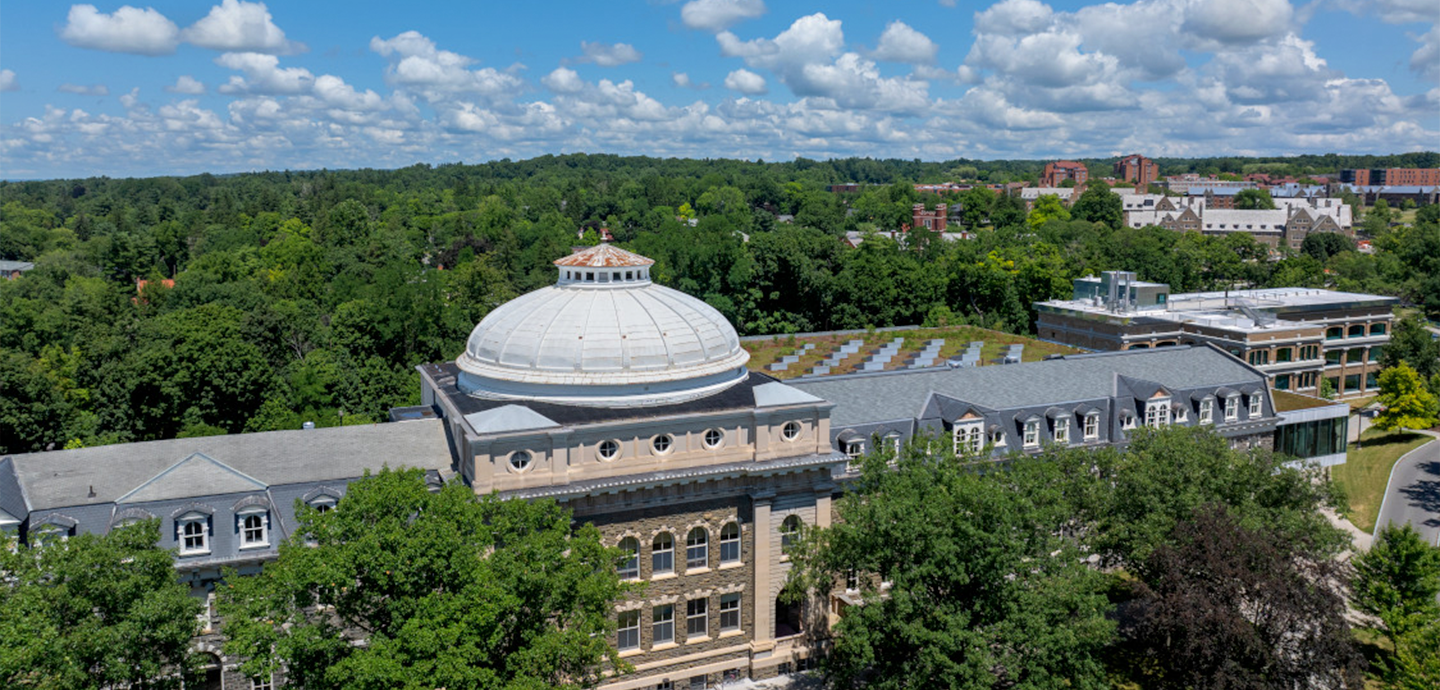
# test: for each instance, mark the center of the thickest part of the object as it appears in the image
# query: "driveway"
(1413, 495)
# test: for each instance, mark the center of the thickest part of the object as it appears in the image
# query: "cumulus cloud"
(417, 64)
(746, 82)
(1232, 22)
(238, 26)
(1426, 59)
(263, 74)
(127, 30)
(901, 43)
(7, 80)
(715, 15)
(563, 80)
(1403, 11)
(186, 84)
(606, 55)
(84, 90)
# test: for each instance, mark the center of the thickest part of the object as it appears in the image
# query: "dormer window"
(194, 534)
(968, 437)
(1232, 408)
(1207, 411)
(1092, 426)
(1157, 413)
(254, 525)
(1061, 432)
(1032, 433)
(1256, 406)
(854, 449)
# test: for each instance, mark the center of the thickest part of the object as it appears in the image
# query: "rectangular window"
(662, 554)
(730, 543)
(1375, 353)
(1334, 333)
(262, 683)
(1260, 357)
(1062, 431)
(1207, 411)
(697, 683)
(663, 631)
(1032, 434)
(1232, 408)
(968, 438)
(252, 529)
(1333, 356)
(1092, 427)
(1282, 382)
(1283, 354)
(697, 620)
(1355, 356)
(1352, 383)
(194, 536)
(1371, 382)
(1255, 406)
(1157, 414)
(729, 612)
(628, 636)
(854, 449)
(1310, 352)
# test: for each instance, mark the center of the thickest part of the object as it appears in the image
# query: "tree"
(975, 206)
(1099, 205)
(1397, 580)
(446, 590)
(1046, 207)
(1252, 199)
(1411, 343)
(95, 612)
(1406, 402)
(1416, 663)
(1323, 245)
(1230, 606)
(984, 592)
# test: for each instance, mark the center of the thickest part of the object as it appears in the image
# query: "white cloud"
(1232, 22)
(336, 93)
(901, 43)
(127, 30)
(563, 80)
(1426, 59)
(679, 79)
(606, 55)
(241, 27)
(1014, 18)
(263, 74)
(186, 84)
(416, 63)
(746, 82)
(7, 80)
(1404, 11)
(84, 90)
(715, 15)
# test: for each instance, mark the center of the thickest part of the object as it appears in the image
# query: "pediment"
(196, 475)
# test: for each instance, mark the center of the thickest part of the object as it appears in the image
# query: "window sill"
(663, 576)
(206, 552)
(663, 646)
(257, 545)
(731, 633)
(736, 564)
(696, 640)
(631, 652)
(697, 571)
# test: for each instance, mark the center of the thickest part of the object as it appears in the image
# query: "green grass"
(1367, 470)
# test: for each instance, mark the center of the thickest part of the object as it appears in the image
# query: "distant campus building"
(1285, 226)
(1296, 336)
(1058, 172)
(632, 405)
(1138, 170)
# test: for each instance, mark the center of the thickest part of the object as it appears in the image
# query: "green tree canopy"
(95, 612)
(1406, 402)
(1397, 580)
(445, 590)
(1251, 199)
(1099, 205)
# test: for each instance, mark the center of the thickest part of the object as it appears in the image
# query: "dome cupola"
(603, 335)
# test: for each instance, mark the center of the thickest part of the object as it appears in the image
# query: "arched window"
(194, 534)
(630, 561)
(789, 533)
(697, 548)
(662, 554)
(254, 528)
(730, 543)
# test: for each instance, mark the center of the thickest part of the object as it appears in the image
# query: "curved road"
(1413, 494)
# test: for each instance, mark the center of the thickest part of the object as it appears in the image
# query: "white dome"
(603, 335)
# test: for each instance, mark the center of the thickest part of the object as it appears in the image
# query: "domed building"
(631, 403)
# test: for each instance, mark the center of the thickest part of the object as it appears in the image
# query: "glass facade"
(1312, 439)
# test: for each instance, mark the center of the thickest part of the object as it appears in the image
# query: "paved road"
(1413, 495)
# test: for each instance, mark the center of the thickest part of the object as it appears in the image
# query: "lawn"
(1367, 470)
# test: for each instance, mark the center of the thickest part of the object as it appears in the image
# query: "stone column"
(764, 639)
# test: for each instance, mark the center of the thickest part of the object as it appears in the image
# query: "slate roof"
(213, 465)
(868, 398)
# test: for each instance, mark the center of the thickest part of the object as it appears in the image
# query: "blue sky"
(230, 85)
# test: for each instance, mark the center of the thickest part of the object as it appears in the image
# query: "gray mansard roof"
(160, 470)
(868, 398)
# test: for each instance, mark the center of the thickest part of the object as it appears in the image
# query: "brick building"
(1137, 169)
(1060, 171)
(933, 221)
(1383, 177)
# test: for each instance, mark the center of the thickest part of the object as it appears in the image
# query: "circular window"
(609, 450)
(790, 431)
(520, 459)
(662, 443)
(713, 438)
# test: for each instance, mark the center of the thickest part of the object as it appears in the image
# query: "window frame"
(697, 616)
(790, 431)
(627, 629)
(182, 523)
(701, 547)
(790, 529)
(1061, 431)
(967, 437)
(242, 519)
(667, 553)
(1257, 406)
(629, 569)
(719, 440)
(1207, 411)
(854, 448)
(1031, 438)
(600, 450)
(662, 444)
(730, 611)
(730, 542)
(662, 618)
(1232, 407)
(1157, 413)
(1092, 426)
(521, 460)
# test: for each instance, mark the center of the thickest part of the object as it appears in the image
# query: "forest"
(165, 307)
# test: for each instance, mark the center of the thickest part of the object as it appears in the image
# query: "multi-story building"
(1191, 182)
(1137, 169)
(1381, 177)
(1285, 226)
(1297, 336)
(1059, 171)
(1066, 195)
(933, 221)
(631, 404)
